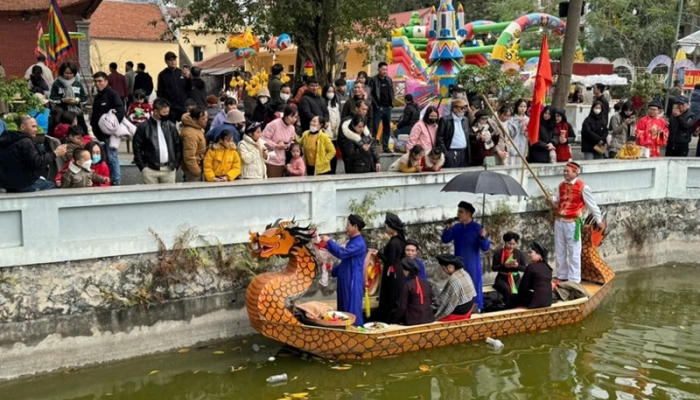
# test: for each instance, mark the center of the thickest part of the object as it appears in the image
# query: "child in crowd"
(296, 166)
(222, 163)
(317, 147)
(140, 110)
(412, 248)
(566, 135)
(409, 162)
(74, 141)
(99, 165)
(434, 161)
(630, 151)
(253, 153)
(65, 121)
(79, 173)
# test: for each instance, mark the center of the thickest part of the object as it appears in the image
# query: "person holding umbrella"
(469, 239)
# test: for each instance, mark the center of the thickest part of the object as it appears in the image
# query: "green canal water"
(643, 342)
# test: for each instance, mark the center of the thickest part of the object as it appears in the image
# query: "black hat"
(681, 100)
(656, 104)
(410, 265)
(357, 221)
(467, 206)
(394, 222)
(448, 259)
(480, 114)
(170, 55)
(412, 242)
(539, 249)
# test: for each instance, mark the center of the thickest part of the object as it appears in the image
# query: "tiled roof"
(127, 21)
(35, 5)
(222, 60)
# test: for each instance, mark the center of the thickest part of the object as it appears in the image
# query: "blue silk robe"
(351, 275)
(467, 247)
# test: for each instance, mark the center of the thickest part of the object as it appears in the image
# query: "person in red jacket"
(99, 166)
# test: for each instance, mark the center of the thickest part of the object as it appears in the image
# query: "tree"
(16, 94)
(561, 93)
(492, 81)
(317, 27)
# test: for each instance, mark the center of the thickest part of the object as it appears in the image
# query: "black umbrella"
(486, 182)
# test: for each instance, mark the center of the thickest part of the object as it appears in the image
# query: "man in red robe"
(574, 196)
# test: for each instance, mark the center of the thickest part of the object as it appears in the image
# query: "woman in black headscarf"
(392, 274)
(535, 288)
(414, 307)
(546, 140)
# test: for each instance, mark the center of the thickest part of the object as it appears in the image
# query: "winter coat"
(446, 132)
(681, 129)
(333, 120)
(311, 106)
(356, 159)
(21, 162)
(198, 92)
(325, 151)
(411, 115)
(518, 132)
(145, 144)
(274, 85)
(277, 132)
(193, 145)
(100, 169)
(594, 130)
(252, 161)
(428, 164)
(401, 165)
(374, 85)
(296, 167)
(695, 103)
(77, 177)
(174, 87)
(105, 101)
(538, 152)
(620, 132)
(221, 161)
(143, 81)
(118, 83)
(348, 110)
(424, 135)
(58, 92)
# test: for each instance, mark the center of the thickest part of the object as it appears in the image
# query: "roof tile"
(127, 21)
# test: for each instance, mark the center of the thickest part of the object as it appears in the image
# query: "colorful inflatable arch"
(520, 25)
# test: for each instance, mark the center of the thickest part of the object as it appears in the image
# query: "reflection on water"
(642, 343)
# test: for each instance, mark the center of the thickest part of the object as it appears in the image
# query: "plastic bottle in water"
(277, 378)
(494, 343)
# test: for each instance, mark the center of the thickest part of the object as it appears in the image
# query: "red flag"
(543, 80)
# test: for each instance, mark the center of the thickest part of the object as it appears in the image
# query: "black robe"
(414, 306)
(393, 278)
(535, 289)
(502, 282)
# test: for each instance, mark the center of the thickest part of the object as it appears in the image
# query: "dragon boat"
(270, 295)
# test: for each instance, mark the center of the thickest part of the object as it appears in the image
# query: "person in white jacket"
(253, 153)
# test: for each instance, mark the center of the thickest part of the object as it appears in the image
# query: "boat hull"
(340, 344)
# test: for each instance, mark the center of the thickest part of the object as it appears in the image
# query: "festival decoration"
(543, 80)
(309, 68)
(256, 82)
(245, 45)
(60, 44)
(284, 41)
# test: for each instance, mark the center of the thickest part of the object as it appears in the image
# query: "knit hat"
(213, 100)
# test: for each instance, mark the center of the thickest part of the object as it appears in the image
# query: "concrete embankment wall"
(82, 280)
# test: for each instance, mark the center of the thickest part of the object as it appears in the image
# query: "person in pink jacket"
(424, 131)
(652, 130)
(279, 135)
(296, 166)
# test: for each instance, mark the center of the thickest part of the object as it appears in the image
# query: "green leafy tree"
(15, 93)
(491, 81)
(318, 27)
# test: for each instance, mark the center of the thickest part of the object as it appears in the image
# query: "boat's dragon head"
(280, 239)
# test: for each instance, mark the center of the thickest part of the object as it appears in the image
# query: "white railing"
(79, 224)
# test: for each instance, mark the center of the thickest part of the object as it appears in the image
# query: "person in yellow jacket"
(630, 151)
(318, 148)
(222, 163)
(409, 162)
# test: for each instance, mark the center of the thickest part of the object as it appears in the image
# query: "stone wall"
(82, 312)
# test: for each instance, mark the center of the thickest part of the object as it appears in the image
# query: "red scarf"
(419, 289)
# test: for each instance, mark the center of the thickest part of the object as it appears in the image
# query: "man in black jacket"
(453, 135)
(311, 105)
(382, 95)
(599, 95)
(681, 128)
(22, 163)
(411, 115)
(157, 146)
(106, 100)
(173, 85)
(143, 80)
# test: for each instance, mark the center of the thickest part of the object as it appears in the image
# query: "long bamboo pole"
(522, 157)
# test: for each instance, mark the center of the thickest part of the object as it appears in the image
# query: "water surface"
(643, 342)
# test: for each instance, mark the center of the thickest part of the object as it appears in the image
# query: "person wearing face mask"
(157, 146)
(652, 131)
(318, 148)
(99, 165)
(594, 133)
(424, 131)
(79, 174)
(263, 109)
(312, 105)
(453, 135)
(622, 126)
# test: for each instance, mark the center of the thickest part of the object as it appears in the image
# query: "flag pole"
(520, 154)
